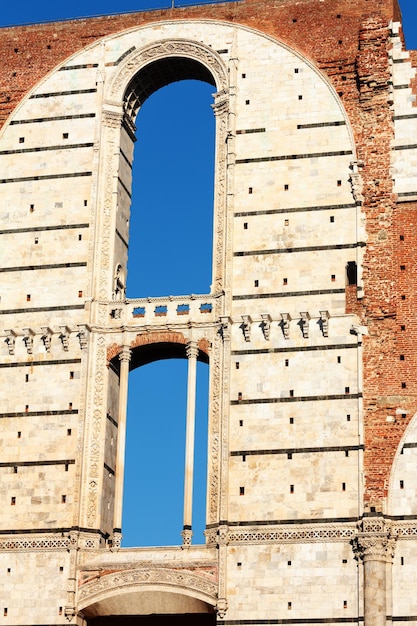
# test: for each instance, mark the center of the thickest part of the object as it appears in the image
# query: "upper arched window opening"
(171, 216)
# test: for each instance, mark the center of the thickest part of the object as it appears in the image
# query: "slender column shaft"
(192, 352)
(124, 357)
(374, 572)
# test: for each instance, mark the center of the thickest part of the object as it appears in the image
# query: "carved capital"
(112, 119)
(221, 607)
(125, 354)
(222, 535)
(191, 350)
(221, 104)
(375, 541)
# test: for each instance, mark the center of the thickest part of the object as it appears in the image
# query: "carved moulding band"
(163, 49)
(280, 534)
(23, 542)
(182, 582)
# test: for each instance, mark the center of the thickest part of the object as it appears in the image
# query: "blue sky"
(172, 200)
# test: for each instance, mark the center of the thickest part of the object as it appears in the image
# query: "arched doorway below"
(183, 619)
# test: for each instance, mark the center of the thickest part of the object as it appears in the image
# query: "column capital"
(375, 541)
(191, 349)
(125, 354)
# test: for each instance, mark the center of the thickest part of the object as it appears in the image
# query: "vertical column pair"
(124, 356)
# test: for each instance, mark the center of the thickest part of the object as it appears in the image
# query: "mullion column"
(124, 357)
(192, 353)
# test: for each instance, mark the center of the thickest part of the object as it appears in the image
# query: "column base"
(186, 534)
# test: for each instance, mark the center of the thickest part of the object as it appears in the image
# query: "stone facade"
(309, 329)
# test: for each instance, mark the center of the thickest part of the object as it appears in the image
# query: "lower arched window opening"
(153, 497)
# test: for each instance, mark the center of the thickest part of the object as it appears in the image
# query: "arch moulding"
(162, 50)
(180, 582)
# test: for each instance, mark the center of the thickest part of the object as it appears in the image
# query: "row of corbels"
(46, 333)
(284, 323)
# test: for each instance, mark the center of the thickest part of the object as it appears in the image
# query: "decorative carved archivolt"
(161, 50)
(183, 582)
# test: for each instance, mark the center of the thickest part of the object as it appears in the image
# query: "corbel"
(304, 323)
(64, 337)
(28, 335)
(10, 340)
(46, 337)
(285, 324)
(357, 329)
(246, 326)
(324, 322)
(225, 325)
(266, 325)
(82, 335)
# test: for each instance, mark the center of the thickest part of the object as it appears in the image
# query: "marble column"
(374, 546)
(192, 353)
(124, 357)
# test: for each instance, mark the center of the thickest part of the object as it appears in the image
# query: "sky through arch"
(170, 247)
(170, 253)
